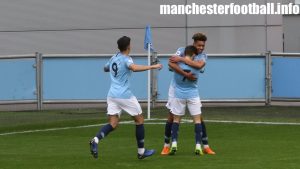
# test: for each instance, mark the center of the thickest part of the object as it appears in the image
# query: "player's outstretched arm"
(139, 68)
(195, 64)
(177, 69)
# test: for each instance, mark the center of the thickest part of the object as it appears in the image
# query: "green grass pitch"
(238, 146)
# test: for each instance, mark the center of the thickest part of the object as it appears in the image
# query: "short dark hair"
(190, 50)
(199, 37)
(123, 43)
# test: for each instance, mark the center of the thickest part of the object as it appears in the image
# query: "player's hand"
(157, 66)
(190, 76)
(175, 59)
(106, 69)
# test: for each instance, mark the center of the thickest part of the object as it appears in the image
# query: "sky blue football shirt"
(180, 52)
(119, 75)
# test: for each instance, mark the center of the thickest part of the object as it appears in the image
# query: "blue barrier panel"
(17, 79)
(74, 78)
(84, 78)
(285, 77)
(139, 80)
(225, 78)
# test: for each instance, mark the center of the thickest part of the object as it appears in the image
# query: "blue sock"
(198, 133)
(168, 128)
(140, 134)
(204, 135)
(105, 130)
(175, 129)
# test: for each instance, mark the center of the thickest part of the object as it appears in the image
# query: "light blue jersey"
(119, 75)
(184, 88)
(201, 56)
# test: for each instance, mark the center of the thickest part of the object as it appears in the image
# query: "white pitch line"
(148, 122)
(248, 122)
(60, 128)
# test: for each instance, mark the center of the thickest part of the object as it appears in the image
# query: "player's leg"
(174, 135)
(206, 148)
(133, 108)
(168, 128)
(194, 106)
(103, 132)
(198, 134)
(169, 122)
(113, 112)
(106, 129)
(178, 110)
(140, 135)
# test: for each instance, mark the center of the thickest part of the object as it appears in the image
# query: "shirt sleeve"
(180, 52)
(201, 57)
(128, 61)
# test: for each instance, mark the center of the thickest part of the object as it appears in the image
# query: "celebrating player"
(199, 43)
(121, 98)
(186, 94)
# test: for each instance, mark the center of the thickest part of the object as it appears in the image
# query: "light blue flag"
(148, 38)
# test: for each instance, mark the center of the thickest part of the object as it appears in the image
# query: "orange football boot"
(208, 150)
(165, 151)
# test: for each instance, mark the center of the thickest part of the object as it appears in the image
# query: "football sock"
(198, 133)
(205, 146)
(96, 140)
(204, 134)
(140, 134)
(174, 143)
(174, 133)
(168, 128)
(105, 130)
(141, 150)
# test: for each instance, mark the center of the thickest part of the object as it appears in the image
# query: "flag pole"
(147, 44)
(149, 83)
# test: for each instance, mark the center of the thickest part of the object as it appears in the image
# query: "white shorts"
(116, 105)
(179, 105)
(171, 96)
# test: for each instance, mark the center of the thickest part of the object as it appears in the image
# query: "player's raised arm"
(176, 68)
(195, 64)
(199, 62)
(139, 68)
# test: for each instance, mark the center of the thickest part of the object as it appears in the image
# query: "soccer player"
(121, 98)
(199, 43)
(186, 94)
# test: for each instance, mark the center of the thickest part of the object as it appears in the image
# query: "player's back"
(119, 74)
(185, 88)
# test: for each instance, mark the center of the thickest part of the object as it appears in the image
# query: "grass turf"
(237, 145)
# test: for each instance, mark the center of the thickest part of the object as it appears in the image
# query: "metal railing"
(39, 76)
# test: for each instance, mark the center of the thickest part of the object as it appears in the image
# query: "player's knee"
(139, 119)
(201, 118)
(176, 119)
(170, 117)
(197, 119)
(114, 125)
(114, 121)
